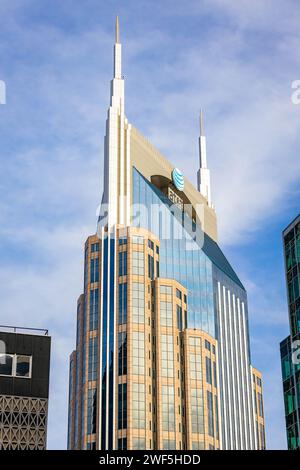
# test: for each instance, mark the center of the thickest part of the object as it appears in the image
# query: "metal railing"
(20, 329)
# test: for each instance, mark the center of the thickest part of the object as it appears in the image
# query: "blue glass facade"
(187, 254)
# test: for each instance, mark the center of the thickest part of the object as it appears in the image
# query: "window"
(215, 374)
(122, 240)
(93, 358)
(260, 405)
(169, 444)
(138, 240)
(150, 267)
(258, 381)
(15, 365)
(198, 445)
(157, 249)
(166, 290)
(197, 410)
(167, 356)
(123, 303)
(122, 443)
(138, 406)
(168, 408)
(138, 302)
(151, 244)
(94, 275)
(207, 345)
(166, 313)
(91, 411)
(122, 343)
(185, 299)
(94, 305)
(94, 247)
(138, 353)
(138, 443)
(194, 341)
(210, 407)
(122, 263)
(6, 364)
(23, 365)
(208, 370)
(178, 294)
(179, 317)
(122, 406)
(138, 263)
(195, 366)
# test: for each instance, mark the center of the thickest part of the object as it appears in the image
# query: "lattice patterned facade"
(23, 423)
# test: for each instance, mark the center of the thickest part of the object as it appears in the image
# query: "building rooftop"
(23, 330)
(291, 224)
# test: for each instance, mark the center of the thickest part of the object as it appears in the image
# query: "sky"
(235, 59)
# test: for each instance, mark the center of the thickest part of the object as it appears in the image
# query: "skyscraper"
(24, 388)
(162, 357)
(290, 346)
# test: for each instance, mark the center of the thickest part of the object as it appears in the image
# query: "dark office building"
(24, 388)
(289, 347)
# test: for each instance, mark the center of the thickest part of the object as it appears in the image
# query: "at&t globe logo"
(178, 179)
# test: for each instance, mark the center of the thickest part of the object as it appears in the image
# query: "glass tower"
(162, 358)
(290, 346)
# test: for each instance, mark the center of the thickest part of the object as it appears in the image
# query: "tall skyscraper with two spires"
(162, 358)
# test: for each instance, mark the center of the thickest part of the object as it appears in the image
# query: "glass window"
(6, 364)
(94, 305)
(94, 274)
(138, 263)
(210, 407)
(197, 411)
(138, 406)
(208, 370)
(122, 443)
(122, 406)
(195, 366)
(166, 314)
(167, 356)
(168, 408)
(138, 353)
(91, 411)
(138, 240)
(169, 444)
(94, 247)
(138, 302)
(23, 366)
(194, 341)
(138, 443)
(122, 343)
(150, 267)
(179, 317)
(207, 345)
(123, 303)
(93, 358)
(178, 294)
(166, 290)
(122, 240)
(122, 263)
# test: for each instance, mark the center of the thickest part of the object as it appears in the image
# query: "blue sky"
(235, 59)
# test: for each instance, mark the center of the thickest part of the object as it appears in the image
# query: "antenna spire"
(201, 123)
(203, 175)
(117, 30)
